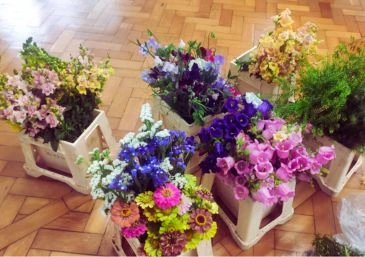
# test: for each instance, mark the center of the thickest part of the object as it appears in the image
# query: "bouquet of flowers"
(50, 98)
(187, 77)
(148, 195)
(281, 53)
(256, 153)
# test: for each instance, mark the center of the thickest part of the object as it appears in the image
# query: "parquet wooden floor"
(44, 217)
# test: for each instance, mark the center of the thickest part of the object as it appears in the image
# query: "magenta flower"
(299, 151)
(225, 164)
(242, 167)
(259, 157)
(325, 154)
(263, 170)
(283, 148)
(283, 192)
(315, 167)
(284, 173)
(167, 196)
(240, 180)
(135, 230)
(263, 195)
(241, 192)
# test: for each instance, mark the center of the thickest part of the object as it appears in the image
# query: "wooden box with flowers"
(277, 59)
(255, 158)
(331, 106)
(158, 210)
(189, 90)
(56, 101)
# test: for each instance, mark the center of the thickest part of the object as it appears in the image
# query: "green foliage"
(327, 246)
(331, 97)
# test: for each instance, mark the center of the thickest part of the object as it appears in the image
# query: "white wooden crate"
(41, 160)
(247, 231)
(346, 163)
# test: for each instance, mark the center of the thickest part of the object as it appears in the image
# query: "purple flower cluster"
(258, 154)
(188, 78)
(146, 161)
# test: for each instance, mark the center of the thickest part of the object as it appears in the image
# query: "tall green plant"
(332, 97)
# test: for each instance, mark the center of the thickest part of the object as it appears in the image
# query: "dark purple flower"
(209, 164)
(231, 105)
(216, 132)
(229, 120)
(265, 108)
(218, 148)
(231, 133)
(249, 110)
(241, 120)
(194, 74)
(204, 135)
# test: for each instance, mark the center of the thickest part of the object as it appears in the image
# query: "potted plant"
(186, 82)
(255, 158)
(277, 58)
(157, 209)
(331, 100)
(54, 103)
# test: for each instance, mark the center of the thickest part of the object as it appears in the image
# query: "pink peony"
(264, 196)
(167, 196)
(135, 230)
(325, 154)
(242, 167)
(241, 192)
(225, 164)
(283, 192)
(263, 170)
(283, 148)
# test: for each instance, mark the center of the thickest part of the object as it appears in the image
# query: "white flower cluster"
(109, 200)
(155, 127)
(115, 171)
(252, 98)
(166, 165)
(179, 180)
(146, 114)
(127, 138)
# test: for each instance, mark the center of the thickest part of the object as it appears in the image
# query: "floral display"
(256, 153)
(187, 77)
(280, 53)
(147, 193)
(50, 98)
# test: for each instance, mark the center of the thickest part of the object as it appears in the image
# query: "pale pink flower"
(241, 192)
(283, 192)
(52, 120)
(225, 164)
(48, 88)
(325, 154)
(264, 196)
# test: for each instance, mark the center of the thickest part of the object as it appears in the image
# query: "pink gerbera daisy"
(167, 196)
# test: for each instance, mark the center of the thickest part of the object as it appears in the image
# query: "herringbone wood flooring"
(44, 217)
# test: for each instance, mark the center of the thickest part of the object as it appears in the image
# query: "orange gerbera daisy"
(124, 214)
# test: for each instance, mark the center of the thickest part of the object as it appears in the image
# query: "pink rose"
(225, 164)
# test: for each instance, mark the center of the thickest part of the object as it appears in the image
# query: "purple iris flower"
(231, 105)
(265, 108)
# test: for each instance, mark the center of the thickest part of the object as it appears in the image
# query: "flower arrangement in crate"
(147, 194)
(331, 102)
(281, 53)
(187, 77)
(257, 153)
(51, 98)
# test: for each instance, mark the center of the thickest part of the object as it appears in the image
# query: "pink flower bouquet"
(258, 154)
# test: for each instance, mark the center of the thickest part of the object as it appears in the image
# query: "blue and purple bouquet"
(187, 77)
(258, 154)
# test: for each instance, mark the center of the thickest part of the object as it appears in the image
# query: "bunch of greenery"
(327, 246)
(332, 97)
